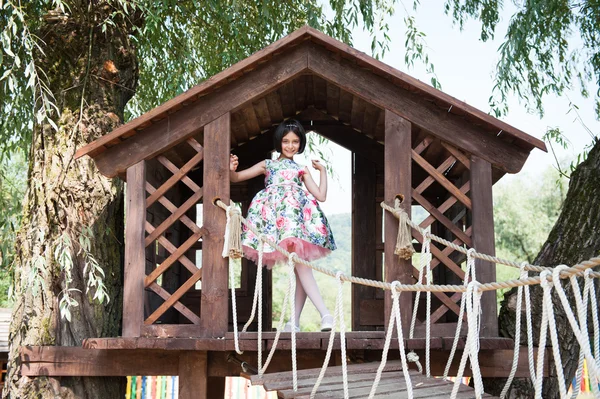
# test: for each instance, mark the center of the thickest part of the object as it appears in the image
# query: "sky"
(464, 66)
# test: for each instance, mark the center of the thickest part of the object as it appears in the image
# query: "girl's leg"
(300, 299)
(309, 284)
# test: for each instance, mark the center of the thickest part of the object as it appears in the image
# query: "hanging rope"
(517, 340)
(338, 317)
(232, 246)
(530, 356)
(425, 265)
(404, 247)
(394, 316)
(584, 344)
(470, 269)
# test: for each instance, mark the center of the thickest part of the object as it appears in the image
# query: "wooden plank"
(171, 181)
(192, 201)
(411, 106)
(286, 94)
(440, 178)
(300, 92)
(370, 119)
(189, 121)
(320, 93)
(214, 305)
(456, 153)
(274, 106)
(251, 121)
(333, 100)
(171, 259)
(262, 113)
(446, 205)
(193, 375)
(181, 308)
(331, 388)
(345, 106)
(483, 240)
(166, 244)
(392, 365)
(398, 165)
(174, 297)
(172, 208)
(143, 344)
(441, 218)
(358, 113)
(56, 361)
(173, 169)
(429, 180)
(133, 283)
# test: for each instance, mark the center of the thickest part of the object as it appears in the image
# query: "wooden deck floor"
(360, 380)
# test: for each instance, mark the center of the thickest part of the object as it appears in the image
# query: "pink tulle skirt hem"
(304, 249)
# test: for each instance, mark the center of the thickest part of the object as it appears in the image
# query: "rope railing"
(472, 291)
(577, 270)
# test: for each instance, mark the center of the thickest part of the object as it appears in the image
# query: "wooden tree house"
(405, 137)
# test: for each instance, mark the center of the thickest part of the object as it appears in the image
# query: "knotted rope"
(404, 247)
(232, 247)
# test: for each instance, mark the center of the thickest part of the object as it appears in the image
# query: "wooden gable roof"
(304, 70)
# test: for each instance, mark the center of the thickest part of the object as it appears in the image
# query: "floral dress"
(288, 214)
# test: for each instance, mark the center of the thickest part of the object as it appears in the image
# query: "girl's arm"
(320, 191)
(253, 171)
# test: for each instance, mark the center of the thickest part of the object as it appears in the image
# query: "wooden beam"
(397, 179)
(364, 233)
(193, 375)
(483, 240)
(213, 316)
(59, 361)
(186, 122)
(447, 126)
(135, 258)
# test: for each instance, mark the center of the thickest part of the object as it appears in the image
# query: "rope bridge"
(471, 291)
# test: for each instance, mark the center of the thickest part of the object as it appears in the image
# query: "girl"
(289, 215)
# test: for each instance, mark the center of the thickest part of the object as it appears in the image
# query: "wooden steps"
(360, 380)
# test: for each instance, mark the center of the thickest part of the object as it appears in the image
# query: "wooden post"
(213, 317)
(483, 240)
(364, 235)
(193, 375)
(397, 179)
(135, 256)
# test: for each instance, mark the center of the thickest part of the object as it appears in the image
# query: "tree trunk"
(574, 238)
(92, 75)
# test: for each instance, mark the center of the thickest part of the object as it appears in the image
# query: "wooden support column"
(213, 316)
(193, 375)
(483, 240)
(364, 228)
(135, 255)
(397, 179)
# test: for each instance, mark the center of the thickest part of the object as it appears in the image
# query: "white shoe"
(326, 323)
(288, 327)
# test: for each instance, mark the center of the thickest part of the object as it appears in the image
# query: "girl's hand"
(233, 162)
(317, 165)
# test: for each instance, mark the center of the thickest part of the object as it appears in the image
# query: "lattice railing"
(156, 234)
(461, 235)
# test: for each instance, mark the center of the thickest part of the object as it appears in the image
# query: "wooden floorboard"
(360, 381)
